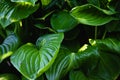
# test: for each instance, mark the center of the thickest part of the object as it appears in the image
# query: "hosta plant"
(59, 40)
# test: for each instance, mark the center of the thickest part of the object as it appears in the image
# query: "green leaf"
(45, 2)
(67, 60)
(109, 44)
(8, 76)
(107, 67)
(62, 65)
(12, 12)
(91, 15)
(94, 2)
(77, 75)
(62, 21)
(113, 26)
(32, 61)
(9, 45)
(26, 1)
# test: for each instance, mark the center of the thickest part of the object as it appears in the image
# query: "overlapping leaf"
(32, 61)
(12, 12)
(9, 45)
(91, 15)
(63, 21)
(68, 60)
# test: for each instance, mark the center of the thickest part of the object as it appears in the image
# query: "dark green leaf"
(32, 61)
(94, 2)
(108, 68)
(8, 76)
(9, 45)
(67, 60)
(113, 26)
(109, 45)
(12, 12)
(63, 21)
(91, 15)
(77, 75)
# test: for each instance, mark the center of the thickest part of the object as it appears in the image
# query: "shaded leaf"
(12, 12)
(77, 75)
(67, 60)
(8, 76)
(9, 45)
(96, 16)
(32, 61)
(63, 21)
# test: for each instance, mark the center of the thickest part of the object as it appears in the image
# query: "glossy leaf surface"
(63, 21)
(96, 16)
(9, 45)
(12, 12)
(68, 60)
(32, 61)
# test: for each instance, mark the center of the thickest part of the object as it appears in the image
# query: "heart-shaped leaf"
(32, 61)
(63, 21)
(9, 45)
(12, 12)
(91, 15)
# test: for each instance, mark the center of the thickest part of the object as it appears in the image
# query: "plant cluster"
(59, 39)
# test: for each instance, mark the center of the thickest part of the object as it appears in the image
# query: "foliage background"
(59, 39)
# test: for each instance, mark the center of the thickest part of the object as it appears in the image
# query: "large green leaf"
(26, 1)
(109, 67)
(32, 61)
(91, 15)
(109, 45)
(14, 11)
(63, 21)
(67, 60)
(9, 45)
(8, 76)
(61, 66)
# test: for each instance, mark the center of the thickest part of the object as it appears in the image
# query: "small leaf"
(91, 15)
(12, 12)
(8, 76)
(63, 21)
(32, 61)
(45, 2)
(26, 1)
(9, 45)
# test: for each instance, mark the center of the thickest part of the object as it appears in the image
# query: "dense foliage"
(59, 39)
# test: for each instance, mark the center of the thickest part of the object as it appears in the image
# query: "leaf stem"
(95, 32)
(103, 37)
